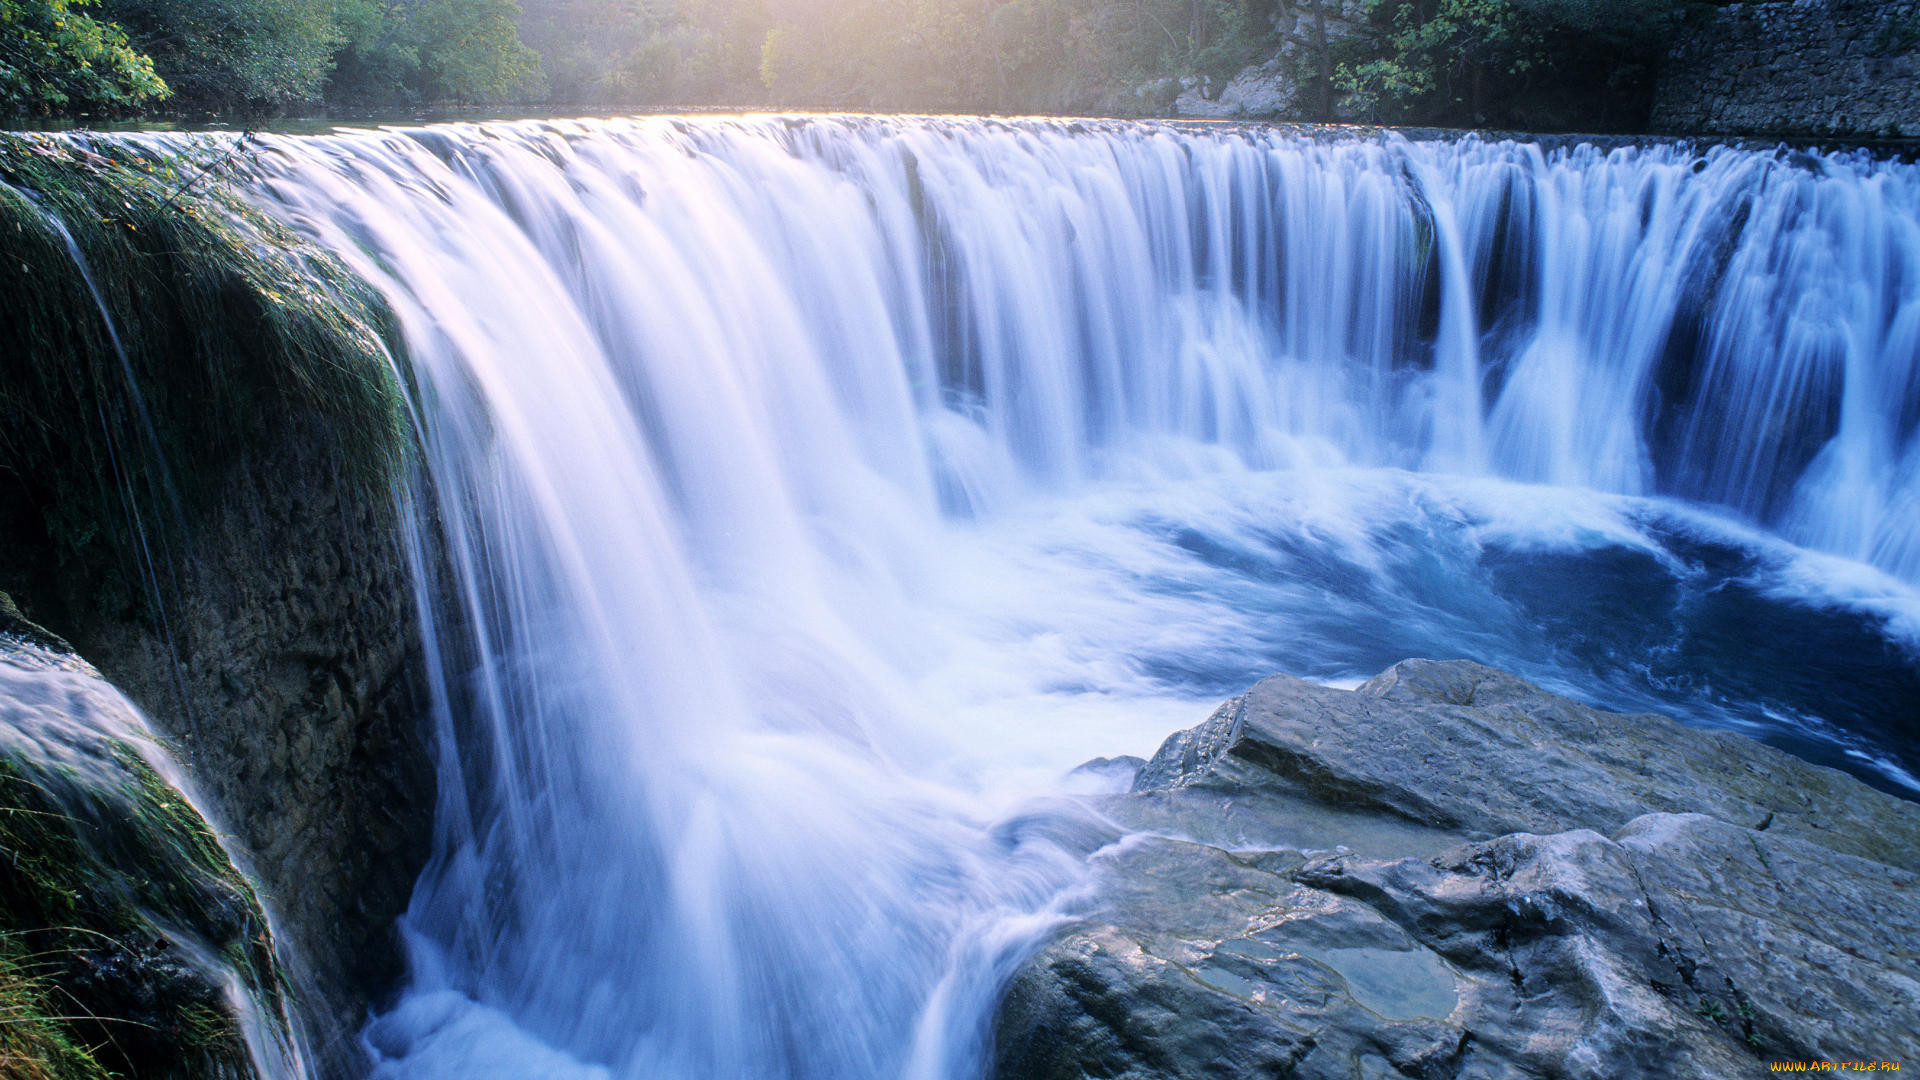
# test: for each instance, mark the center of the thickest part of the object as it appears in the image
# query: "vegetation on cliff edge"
(1552, 64)
(159, 328)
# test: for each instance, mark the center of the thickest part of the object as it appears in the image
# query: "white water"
(818, 491)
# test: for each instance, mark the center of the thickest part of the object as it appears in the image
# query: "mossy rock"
(129, 941)
(160, 327)
(16, 625)
(201, 425)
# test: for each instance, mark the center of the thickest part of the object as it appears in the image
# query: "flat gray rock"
(1450, 872)
(1473, 750)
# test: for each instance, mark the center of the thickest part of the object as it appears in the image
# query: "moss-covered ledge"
(201, 426)
(130, 944)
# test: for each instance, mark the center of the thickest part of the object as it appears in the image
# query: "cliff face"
(1796, 68)
(287, 677)
(1284, 85)
(199, 440)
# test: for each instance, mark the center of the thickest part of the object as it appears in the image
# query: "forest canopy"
(1468, 62)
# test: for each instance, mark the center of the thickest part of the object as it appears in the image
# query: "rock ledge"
(1449, 872)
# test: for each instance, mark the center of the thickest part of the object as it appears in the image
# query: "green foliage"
(1100, 55)
(130, 397)
(54, 57)
(1540, 63)
(906, 54)
(585, 46)
(471, 51)
(433, 52)
(248, 56)
(1426, 49)
(1527, 63)
(689, 52)
(1521, 63)
(259, 57)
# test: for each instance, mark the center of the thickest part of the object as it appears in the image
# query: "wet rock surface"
(1449, 872)
(291, 688)
(286, 675)
(202, 433)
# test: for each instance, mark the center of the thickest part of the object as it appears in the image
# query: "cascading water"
(814, 491)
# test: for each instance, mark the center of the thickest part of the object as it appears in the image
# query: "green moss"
(159, 329)
(113, 873)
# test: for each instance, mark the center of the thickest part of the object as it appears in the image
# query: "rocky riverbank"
(1450, 872)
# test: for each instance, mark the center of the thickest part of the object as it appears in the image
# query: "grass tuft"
(35, 1043)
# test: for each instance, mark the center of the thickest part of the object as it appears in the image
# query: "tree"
(471, 52)
(56, 58)
(895, 54)
(699, 52)
(585, 45)
(234, 55)
(1524, 63)
(432, 51)
(1126, 56)
(1317, 50)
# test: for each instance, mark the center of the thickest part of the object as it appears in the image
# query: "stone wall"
(1796, 68)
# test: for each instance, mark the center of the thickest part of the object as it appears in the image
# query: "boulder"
(1450, 872)
(1262, 91)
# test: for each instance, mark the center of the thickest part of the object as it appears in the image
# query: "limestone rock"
(287, 677)
(1262, 91)
(1479, 752)
(1278, 86)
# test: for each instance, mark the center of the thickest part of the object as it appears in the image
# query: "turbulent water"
(818, 491)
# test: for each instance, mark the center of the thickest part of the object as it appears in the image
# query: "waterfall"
(815, 492)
